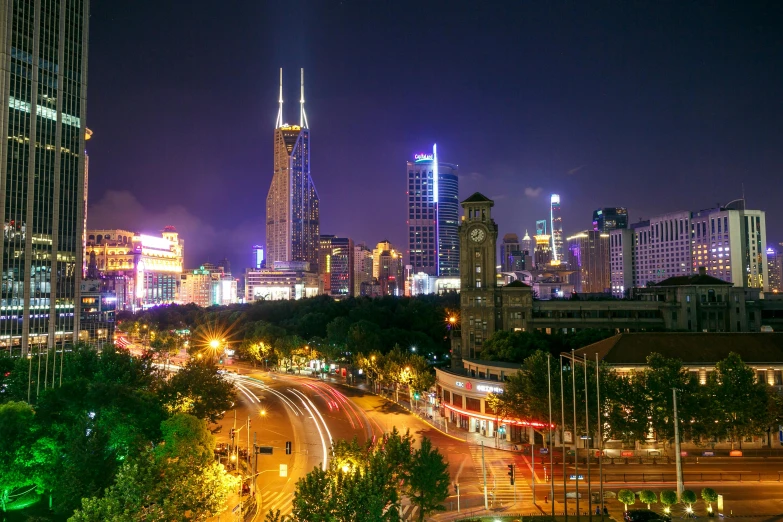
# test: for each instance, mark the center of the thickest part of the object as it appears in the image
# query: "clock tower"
(478, 234)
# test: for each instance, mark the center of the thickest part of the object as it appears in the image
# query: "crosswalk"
(274, 500)
(500, 492)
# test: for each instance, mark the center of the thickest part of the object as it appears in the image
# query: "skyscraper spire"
(302, 115)
(279, 122)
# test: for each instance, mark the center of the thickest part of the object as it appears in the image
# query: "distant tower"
(292, 204)
(433, 215)
(527, 243)
(557, 228)
(541, 227)
(258, 257)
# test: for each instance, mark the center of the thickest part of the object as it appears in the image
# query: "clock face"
(477, 235)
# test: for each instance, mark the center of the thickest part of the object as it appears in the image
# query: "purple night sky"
(656, 106)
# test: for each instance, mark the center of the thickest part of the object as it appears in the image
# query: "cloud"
(470, 176)
(499, 196)
(576, 169)
(533, 192)
(203, 241)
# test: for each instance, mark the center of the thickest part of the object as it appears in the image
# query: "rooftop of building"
(692, 280)
(516, 284)
(632, 349)
(493, 364)
(478, 197)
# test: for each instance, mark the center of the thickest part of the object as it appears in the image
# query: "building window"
(472, 404)
(457, 400)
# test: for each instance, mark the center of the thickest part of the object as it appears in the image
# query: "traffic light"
(416, 396)
(288, 447)
(511, 473)
(456, 488)
(231, 433)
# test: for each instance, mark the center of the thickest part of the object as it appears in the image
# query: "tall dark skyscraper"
(292, 205)
(43, 114)
(611, 218)
(433, 215)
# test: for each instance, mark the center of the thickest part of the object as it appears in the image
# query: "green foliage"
(626, 496)
(648, 497)
(709, 496)
(199, 390)
(16, 419)
(688, 497)
(175, 481)
(365, 483)
(668, 498)
(428, 481)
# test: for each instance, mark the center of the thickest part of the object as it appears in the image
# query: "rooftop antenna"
(743, 192)
(302, 115)
(280, 101)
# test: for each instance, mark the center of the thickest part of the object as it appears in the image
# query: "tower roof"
(478, 197)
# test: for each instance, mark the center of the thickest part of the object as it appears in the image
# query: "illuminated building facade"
(147, 267)
(98, 308)
(611, 218)
(727, 241)
(43, 109)
(589, 258)
(556, 218)
(540, 227)
(433, 215)
(387, 269)
(196, 287)
(336, 262)
(258, 256)
(775, 268)
(284, 280)
(542, 255)
(362, 267)
(292, 204)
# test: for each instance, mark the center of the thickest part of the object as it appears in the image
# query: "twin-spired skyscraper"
(43, 63)
(292, 204)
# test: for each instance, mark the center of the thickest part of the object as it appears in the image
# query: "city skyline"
(655, 124)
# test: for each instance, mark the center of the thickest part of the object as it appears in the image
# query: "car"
(645, 515)
(573, 494)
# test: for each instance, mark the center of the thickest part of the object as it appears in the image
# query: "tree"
(740, 400)
(429, 479)
(199, 390)
(648, 497)
(626, 496)
(178, 480)
(668, 499)
(16, 422)
(709, 496)
(688, 498)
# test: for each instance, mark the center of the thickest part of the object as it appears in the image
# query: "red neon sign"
(498, 419)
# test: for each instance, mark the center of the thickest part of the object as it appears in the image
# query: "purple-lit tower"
(556, 219)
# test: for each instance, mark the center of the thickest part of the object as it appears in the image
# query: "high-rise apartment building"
(556, 218)
(336, 262)
(362, 268)
(292, 204)
(610, 218)
(43, 109)
(433, 215)
(727, 241)
(510, 249)
(196, 287)
(589, 258)
(775, 268)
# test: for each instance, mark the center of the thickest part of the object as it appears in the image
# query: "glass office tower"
(44, 67)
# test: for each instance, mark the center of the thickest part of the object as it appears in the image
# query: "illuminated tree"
(626, 496)
(668, 499)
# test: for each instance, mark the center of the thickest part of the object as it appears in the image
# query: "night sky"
(656, 106)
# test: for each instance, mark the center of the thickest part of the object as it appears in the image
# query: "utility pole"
(678, 456)
(587, 432)
(255, 465)
(576, 446)
(484, 471)
(532, 469)
(562, 424)
(551, 440)
(600, 438)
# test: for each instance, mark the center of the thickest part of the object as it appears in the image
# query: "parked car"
(573, 494)
(645, 515)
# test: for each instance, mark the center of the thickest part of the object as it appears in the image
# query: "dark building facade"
(610, 218)
(43, 113)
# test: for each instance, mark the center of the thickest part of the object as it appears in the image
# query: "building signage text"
(489, 389)
(423, 157)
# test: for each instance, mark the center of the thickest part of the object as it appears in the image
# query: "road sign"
(544, 451)
(627, 453)
(283, 470)
(265, 450)
(708, 453)
(576, 477)
(568, 436)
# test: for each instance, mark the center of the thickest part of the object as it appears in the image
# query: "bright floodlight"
(214, 343)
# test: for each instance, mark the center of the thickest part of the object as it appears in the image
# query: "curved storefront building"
(461, 398)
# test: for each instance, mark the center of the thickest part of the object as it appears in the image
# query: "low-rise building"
(285, 280)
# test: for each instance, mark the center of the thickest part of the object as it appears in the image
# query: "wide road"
(310, 413)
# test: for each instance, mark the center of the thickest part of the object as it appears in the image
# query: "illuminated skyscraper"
(258, 257)
(608, 219)
(557, 228)
(44, 99)
(541, 227)
(292, 205)
(433, 215)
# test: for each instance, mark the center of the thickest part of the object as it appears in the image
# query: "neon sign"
(423, 157)
(489, 389)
